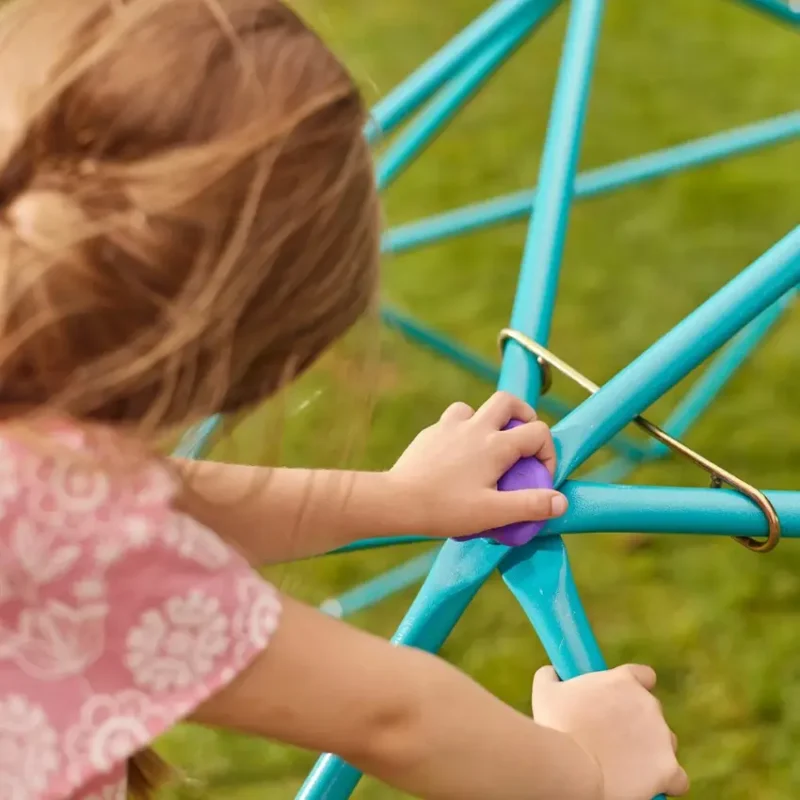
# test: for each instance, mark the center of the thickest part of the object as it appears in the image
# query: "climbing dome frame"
(729, 325)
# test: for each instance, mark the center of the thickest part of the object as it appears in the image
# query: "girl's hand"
(449, 473)
(618, 722)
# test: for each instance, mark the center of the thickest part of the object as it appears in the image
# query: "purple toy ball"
(527, 473)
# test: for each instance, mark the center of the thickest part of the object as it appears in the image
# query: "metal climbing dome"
(728, 326)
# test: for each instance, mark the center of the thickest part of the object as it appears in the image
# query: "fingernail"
(558, 505)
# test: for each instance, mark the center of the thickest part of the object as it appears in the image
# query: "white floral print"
(43, 555)
(118, 616)
(57, 640)
(259, 611)
(28, 748)
(111, 728)
(204, 547)
(178, 644)
(63, 488)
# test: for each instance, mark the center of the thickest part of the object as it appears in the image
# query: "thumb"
(678, 784)
(524, 505)
(545, 677)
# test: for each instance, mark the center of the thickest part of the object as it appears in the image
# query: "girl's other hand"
(616, 719)
(449, 473)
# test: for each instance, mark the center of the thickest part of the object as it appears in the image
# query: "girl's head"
(188, 215)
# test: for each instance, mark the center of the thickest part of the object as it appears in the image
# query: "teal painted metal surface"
(664, 510)
(195, 441)
(541, 261)
(461, 568)
(444, 346)
(719, 372)
(693, 404)
(374, 544)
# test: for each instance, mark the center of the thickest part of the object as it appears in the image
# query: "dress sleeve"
(118, 617)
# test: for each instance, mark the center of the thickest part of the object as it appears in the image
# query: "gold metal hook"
(719, 476)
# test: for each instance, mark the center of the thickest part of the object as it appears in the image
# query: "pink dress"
(118, 617)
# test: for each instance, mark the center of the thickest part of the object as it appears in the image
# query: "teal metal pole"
(632, 171)
(420, 86)
(531, 572)
(777, 9)
(596, 508)
(458, 573)
(719, 372)
(372, 592)
(677, 353)
(454, 96)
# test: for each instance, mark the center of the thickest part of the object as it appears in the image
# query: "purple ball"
(527, 473)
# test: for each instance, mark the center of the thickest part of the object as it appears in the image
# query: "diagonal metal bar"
(781, 11)
(422, 131)
(420, 86)
(596, 182)
(719, 372)
(459, 571)
(677, 353)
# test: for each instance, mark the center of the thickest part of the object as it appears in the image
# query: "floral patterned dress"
(118, 617)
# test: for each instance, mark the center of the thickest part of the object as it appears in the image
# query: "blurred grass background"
(720, 624)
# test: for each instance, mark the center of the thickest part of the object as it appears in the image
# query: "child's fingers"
(523, 505)
(642, 674)
(500, 409)
(457, 412)
(544, 677)
(678, 784)
(533, 439)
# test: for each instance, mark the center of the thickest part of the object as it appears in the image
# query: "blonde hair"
(188, 214)
(187, 206)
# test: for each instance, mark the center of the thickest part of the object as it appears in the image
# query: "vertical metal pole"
(541, 262)
(539, 574)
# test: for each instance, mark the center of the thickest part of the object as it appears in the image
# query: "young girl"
(188, 218)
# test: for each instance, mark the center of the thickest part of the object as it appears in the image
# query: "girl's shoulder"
(118, 614)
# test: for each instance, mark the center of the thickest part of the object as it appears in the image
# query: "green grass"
(719, 623)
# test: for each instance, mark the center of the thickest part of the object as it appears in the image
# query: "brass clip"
(719, 476)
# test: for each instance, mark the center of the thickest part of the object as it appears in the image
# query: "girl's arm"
(415, 722)
(444, 485)
(275, 515)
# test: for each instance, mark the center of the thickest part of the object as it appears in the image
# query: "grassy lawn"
(719, 623)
